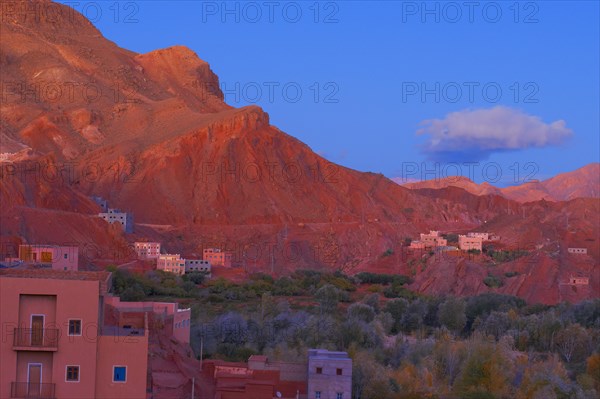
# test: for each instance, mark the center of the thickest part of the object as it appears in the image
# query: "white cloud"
(477, 133)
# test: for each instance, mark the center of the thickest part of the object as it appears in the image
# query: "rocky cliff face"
(151, 134)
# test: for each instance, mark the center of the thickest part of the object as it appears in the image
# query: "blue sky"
(511, 86)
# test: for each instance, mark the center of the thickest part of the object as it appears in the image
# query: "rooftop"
(325, 354)
(55, 274)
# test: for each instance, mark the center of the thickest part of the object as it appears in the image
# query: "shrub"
(493, 281)
(374, 278)
(506, 256)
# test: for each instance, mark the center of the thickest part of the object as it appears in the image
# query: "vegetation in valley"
(404, 345)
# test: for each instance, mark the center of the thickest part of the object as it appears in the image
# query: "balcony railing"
(36, 339)
(27, 390)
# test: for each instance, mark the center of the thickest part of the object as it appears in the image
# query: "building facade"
(55, 344)
(176, 322)
(329, 375)
(433, 239)
(102, 203)
(484, 236)
(579, 251)
(172, 263)
(216, 257)
(260, 378)
(578, 280)
(116, 216)
(54, 256)
(197, 265)
(147, 250)
(467, 243)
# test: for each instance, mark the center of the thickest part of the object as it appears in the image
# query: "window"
(319, 370)
(65, 256)
(119, 373)
(339, 395)
(338, 371)
(318, 395)
(74, 327)
(72, 374)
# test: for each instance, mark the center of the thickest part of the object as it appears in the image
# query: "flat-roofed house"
(147, 250)
(329, 374)
(467, 243)
(216, 257)
(433, 239)
(55, 256)
(113, 216)
(56, 344)
(198, 265)
(172, 263)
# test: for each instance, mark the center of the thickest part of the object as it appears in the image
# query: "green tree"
(328, 297)
(451, 314)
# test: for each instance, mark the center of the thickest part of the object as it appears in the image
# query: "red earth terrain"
(151, 133)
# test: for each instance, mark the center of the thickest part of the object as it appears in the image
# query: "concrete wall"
(577, 250)
(181, 325)
(328, 382)
(60, 300)
(147, 250)
(171, 263)
(128, 351)
(60, 257)
(467, 243)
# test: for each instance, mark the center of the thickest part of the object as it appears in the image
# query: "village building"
(578, 251)
(329, 374)
(102, 203)
(433, 239)
(147, 250)
(57, 344)
(175, 322)
(484, 236)
(417, 244)
(52, 256)
(197, 265)
(216, 257)
(467, 243)
(172, 263)
(259, 378)
(578, 280)
(116, 216)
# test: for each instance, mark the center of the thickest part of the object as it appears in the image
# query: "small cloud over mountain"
(475, 134)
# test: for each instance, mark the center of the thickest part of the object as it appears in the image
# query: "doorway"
(34, 380)
(37, 330)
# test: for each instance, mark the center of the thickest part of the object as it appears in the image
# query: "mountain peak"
(47, 18)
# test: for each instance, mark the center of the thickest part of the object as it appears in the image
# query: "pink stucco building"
(467, 243)
(147, 250)
(578, 280)
(55, 343)
(484, 236)
(217, 257)
(55, 256)
(433, 239)
(175, 321)
(172, 263)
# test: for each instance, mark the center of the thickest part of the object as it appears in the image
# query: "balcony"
(30, 390)
(36, 339)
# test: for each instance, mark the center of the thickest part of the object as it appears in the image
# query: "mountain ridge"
(580, 183)
(159, 141)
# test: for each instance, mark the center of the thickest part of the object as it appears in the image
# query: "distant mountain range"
(581, 183)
